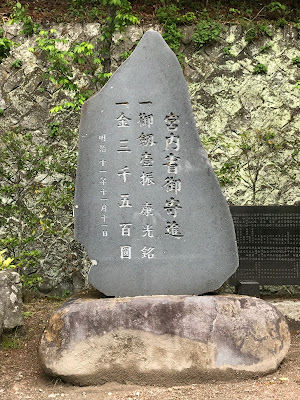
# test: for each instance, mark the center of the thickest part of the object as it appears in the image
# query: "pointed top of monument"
(152, 35)
(153, 42)
(152, 63)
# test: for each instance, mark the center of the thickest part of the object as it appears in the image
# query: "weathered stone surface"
(291, 310)
(148, 207)
(1, 318)
(163, 339)
(10, 300)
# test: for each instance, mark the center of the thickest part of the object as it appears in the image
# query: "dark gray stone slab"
(148, 207)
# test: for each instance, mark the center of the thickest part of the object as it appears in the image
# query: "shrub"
(16, 64)
(263, 162)
(254, 31)
(168, 14)
(6, 263)
(207, 31)
(36, 193)
(5, 47)
(20, 15)
(296, 61)
(173, 36)
(260, 69)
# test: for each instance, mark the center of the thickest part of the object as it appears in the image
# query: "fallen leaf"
(283, 379)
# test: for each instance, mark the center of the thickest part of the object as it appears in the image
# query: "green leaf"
(115, 2)
(56, 109)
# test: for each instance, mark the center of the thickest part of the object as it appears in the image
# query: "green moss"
(296, 61)
(16, 64)
(260, 69)
(266, 47)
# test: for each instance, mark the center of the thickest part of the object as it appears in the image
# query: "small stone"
(46, 286)
(19, 376)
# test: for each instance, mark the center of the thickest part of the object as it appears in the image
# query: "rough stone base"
(163, 339)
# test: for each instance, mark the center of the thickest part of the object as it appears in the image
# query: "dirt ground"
(21, 376)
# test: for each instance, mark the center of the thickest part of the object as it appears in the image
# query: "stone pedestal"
(163, 339)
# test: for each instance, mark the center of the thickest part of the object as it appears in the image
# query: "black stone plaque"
(268, 239)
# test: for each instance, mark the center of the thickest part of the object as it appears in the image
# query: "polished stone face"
(148, 207)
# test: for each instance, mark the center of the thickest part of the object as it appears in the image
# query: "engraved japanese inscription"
(148, 207)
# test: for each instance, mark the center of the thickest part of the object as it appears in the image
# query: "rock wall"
(228, 100)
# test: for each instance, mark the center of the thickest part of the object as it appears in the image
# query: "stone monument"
(148, 207)
(151, 215)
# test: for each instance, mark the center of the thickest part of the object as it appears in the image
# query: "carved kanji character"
(172, 184)
(126, 252)
(146, 160)
(146, 139)
(172, 122)
(147, 252)
(145, 119)
(124, 172)
(123, 121)
(125, 201)
(171, 206)
(125, 229)
(148, 231)
(147, 179)
(172, 229)
(147, 209)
